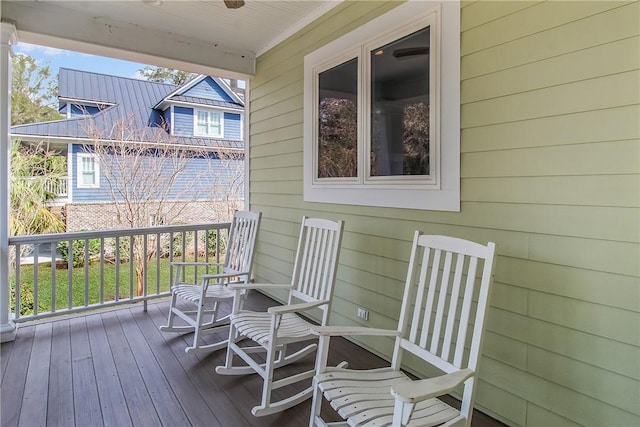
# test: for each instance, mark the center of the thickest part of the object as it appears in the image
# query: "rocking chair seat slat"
(257, 326)
(189, 292)
(365, 399)
(432, 412)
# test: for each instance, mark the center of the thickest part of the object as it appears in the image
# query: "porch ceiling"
(199, 36)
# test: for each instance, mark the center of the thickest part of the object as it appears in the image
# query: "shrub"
(26, 298)
(78, 250)
(212, 246)
(173, 246)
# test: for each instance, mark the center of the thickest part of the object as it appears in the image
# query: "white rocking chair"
(311, 287)
(438, 308)
(214, 289)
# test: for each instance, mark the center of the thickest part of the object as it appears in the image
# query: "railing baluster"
(70, 272)
(206, 250)
(218, 245)
(36, 293)
(17, 287)
(195, 255)
(116, 297)
(144, 268)
(157, 263)
(86, 272)
(131, 275)
(101, 270)
(52, 249)
(184, 253)
(171, 249)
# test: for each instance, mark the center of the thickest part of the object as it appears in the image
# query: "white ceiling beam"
(48, 25)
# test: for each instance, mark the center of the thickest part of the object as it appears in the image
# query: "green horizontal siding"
(550, 170)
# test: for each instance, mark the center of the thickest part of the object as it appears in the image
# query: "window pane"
(88, 178)
(215, 123)
(87, 165)
(400, 107)
(338, 121)
(201, 123)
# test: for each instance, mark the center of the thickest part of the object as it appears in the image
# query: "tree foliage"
(32, 168)
(165, 75)
(33, 92)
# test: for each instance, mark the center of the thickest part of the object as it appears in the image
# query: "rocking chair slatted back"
(447, 296)
(316, 261)
(241, 243)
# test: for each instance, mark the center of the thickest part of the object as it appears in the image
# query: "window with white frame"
(382, 122)
(208, 123)
(88, 171)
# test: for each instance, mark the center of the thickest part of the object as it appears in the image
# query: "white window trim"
(441, 195)
(79, 170)
(172, 119)
(195, 122)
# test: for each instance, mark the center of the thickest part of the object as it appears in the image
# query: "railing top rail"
(80, 235)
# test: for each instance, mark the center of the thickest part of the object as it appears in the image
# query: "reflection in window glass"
(338, 121)
(400, 107)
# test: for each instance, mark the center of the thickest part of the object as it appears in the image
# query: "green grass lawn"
(157, 282)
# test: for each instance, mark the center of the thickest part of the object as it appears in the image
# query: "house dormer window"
(208, 123)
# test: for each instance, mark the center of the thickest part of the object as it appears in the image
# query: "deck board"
(112, 401)
(200, 371)
(86, 400)
(37, 382)
(60, 398)
(14, 377)
(116, 368)
(160, 391)
(191, 400)
(7, 349)
(137, 397)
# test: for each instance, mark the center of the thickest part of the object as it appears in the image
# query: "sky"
(57, 58)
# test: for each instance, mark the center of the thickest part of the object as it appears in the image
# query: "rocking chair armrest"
(238, 286)
(294, 308)
(207, 277)
(416, 391)
(352, 330)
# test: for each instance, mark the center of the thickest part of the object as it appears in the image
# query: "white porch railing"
(72, 272)
(57, 186)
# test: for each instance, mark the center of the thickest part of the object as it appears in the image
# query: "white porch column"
(8, 38)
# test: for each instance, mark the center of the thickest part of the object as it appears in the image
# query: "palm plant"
(31, 167)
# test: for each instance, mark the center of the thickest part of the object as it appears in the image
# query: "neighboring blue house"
(204, 113)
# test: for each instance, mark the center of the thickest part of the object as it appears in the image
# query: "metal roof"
(203, 101)
(133, 101)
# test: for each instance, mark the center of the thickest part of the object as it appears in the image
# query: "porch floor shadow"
(114, 368)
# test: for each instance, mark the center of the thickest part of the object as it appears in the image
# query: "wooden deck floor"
(115, 368)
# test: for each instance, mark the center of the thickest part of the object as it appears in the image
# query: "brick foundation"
(104, 216)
